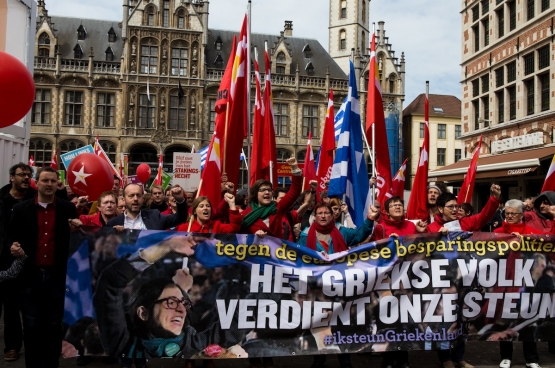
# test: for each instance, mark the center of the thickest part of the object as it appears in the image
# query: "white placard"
(186, 169)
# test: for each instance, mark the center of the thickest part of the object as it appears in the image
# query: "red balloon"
(89, 175)
(143, 172)
(17, 90)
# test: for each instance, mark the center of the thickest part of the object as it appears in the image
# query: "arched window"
(280, 66)
(281, 57)
(44, 39)
(343, 10)
(181, 19)
(41, 150)
(392, 80)
(363, 10)
(70, 145)
(342, 40)
(282, 154)
(149, 16)
(109, 54)
(112, 35)
(110, 149)
(143, 153)
(363, 44)
(77, 52)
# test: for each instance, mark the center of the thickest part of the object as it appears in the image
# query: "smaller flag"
(193, 149)
(78, 301)
(243, 156)
(327, 149)
(31, 161)
(309, 169)
(203, 152)
(549, 183)
(158, 179)
(54, 162)
(467, 187)
(338, 121)
(399, 181)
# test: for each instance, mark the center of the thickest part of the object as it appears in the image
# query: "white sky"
(427, 31)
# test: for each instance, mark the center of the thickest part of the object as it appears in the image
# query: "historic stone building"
(120, 80)
(507, 94)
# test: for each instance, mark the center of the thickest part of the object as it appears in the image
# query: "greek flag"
(78, 299)
(338, 121)
(349, 174)
(204, 151)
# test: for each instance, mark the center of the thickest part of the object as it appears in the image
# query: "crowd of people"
(35, 228)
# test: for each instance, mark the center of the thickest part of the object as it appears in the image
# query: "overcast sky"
(427, 31)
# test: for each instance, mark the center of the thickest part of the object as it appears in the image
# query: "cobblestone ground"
(479, 354)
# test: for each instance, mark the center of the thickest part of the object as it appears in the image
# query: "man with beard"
(158, 199)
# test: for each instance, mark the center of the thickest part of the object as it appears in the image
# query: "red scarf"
(338, 242)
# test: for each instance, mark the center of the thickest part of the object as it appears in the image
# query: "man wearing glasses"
(448, 212)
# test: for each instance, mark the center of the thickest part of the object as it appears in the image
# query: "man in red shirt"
(41, 226)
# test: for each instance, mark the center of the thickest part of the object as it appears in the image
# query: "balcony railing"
(76, 65)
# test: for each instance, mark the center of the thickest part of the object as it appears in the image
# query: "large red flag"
(269, 153)
(233, 132)
(327, 149)
(258, 129)
(99, 151)
(54, 162)
(549, 183)
(210, 185)
(375, 117)
(467, 187)
(309, 169)
(158, 179)
(399, 180)
(417, 207)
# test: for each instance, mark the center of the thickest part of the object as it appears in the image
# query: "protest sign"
(69, 156)
(238, 296)
(186, 170)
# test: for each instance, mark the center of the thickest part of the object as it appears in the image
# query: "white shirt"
(133, 224)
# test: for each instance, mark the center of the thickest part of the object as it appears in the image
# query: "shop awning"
(494, 166)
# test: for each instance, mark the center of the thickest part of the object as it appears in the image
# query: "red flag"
(98, 150)
(327, 148)
(549, 183)
(417, 207)
(54, 162)
(399, 180)
(158, 179)
(375, 117)
(467, 187)
(31, 161)
(309, 169)
(258, 130)
(269, 153)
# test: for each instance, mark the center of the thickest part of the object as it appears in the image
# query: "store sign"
(522, 141)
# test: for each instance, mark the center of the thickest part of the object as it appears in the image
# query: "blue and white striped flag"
(349, 174)
(78, 299)
(204, 151)
(338, 121)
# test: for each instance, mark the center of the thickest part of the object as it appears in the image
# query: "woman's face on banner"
(170, 319)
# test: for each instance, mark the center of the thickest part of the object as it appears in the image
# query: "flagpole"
(371, 79)
(248, 90)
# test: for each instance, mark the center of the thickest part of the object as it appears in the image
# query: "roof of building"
(440, 105)
(97, 37)
(317, 55)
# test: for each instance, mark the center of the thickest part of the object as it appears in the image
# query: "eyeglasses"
(453, 207)
(263, 190)
(24, 175)
(323, 214)
(395, 205)
(512, 214)
(173, 303)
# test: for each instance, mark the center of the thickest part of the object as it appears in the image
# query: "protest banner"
(186, 170)
(69, 156)
(174, 294)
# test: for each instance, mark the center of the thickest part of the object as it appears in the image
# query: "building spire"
(41, 9)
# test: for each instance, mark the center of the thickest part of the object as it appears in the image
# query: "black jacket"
(153, 220)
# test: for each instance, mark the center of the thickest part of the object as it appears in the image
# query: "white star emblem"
(80, 176)
(423, 157)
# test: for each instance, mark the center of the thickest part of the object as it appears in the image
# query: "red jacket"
(91, 220)
(276, 221)
(520, 228)
(401, 228)
(532, 219)
(469, 223)
(215, 226)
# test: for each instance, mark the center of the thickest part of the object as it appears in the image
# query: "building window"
(180, 61)
(105, 109)
(512, 102)
(511, 72)
(41, 150)
(529, 64)
(112, 35)
(342, 40)
(282, 155)
(441, 131)
(476, 31)
(530, 9)
(500, 107)
(109, 54)
(475, 87)
(44, 39)
(181, 19)
(544, 85)
(68, 146)
(310, 120)
(543, 57)
(422, 130)
(73, 108)
(529, 84)
(166, 14)
(485, 104)
(441, 157)
(281, 119)
(212, 115)
(280, 69)
(500, 22)
(81, 33)
(476, 108)
(110, 150)
(149, 16)
(485, 23)
(499, 76)
(280, 58)
(146, 111)
(512, 15)
(149, 59)
(545, 5)
(41, 107)
(475, 13)
(485, 83)
(343, 8)
(485, 7)
(458, 154)
(77, 52)
(391, 85)
(178, 113)
(458, 131)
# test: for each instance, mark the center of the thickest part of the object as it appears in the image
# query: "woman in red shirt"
(201, 221)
